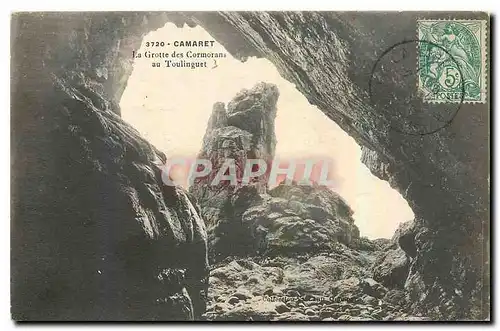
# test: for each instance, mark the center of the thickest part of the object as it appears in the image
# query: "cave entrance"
(170, 105)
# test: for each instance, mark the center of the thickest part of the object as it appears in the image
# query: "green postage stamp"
(452, 60)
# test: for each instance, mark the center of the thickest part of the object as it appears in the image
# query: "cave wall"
(329, 57)
(444, 175)
(95, 233)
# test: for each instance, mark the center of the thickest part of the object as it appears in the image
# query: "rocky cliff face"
(248, 218)
(95, 233)
(243, 131)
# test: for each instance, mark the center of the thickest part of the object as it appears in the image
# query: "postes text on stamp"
(452, 60)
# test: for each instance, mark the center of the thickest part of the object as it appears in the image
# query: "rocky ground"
(329, 286)
(334, 284)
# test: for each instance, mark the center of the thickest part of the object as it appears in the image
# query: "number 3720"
(155, 43)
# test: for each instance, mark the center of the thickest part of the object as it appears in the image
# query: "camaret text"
(194, 43)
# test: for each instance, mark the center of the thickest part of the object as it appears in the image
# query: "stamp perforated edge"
(484, 57)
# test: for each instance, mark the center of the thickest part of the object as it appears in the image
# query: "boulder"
(391, 268)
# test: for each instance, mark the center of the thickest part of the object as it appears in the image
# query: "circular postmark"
(395, 82)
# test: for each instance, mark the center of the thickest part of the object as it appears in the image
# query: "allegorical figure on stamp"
(451, 60)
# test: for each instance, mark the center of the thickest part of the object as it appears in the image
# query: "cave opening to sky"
(171, 106)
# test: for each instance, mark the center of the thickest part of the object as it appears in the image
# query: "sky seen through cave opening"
(171, 106)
